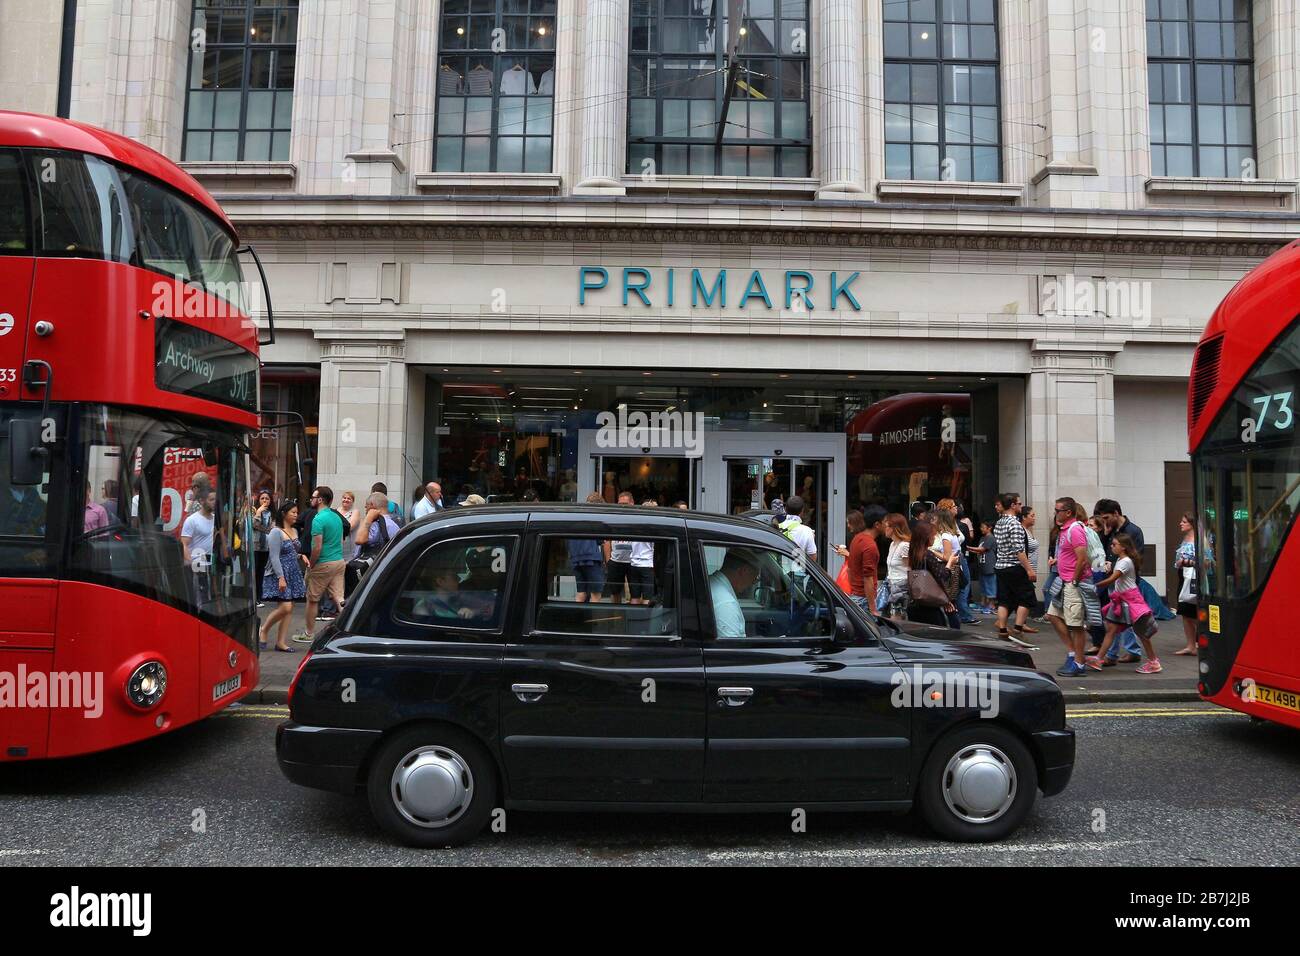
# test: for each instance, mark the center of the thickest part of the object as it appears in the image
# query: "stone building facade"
(468, 323)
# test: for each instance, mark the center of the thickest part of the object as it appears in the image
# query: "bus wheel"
(978, 784)
(432, 786)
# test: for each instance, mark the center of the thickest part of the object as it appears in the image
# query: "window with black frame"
(239, 98)
(678, 78)
(1199, 78)
(495, 86)
(942, 90)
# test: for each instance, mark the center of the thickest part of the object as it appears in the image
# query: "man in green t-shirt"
(327, 564)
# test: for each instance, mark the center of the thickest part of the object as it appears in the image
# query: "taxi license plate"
(227, 686)
(1283, 699)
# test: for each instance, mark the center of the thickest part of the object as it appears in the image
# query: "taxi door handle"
(529, 693)
(734, 696)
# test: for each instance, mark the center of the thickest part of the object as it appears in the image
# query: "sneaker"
(1151, 666)
(1072, 669)
(302, 637)
(1095, 663)
(260, 604)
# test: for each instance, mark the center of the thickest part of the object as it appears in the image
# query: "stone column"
(344, 93)
(840, 108)
(128, 69)
(1070, 404)
(363, 392)
(604, 113)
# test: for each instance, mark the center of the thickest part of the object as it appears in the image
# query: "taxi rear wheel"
(978, 784)
(432, 786)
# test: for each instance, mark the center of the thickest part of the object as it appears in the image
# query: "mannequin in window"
(449, 81)
(517, 81)
(479, 81)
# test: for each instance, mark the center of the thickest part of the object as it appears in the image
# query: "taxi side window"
(459, 583)
(761, 593)
(593, 587)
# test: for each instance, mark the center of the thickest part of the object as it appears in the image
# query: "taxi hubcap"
(432, 786)
(979, 783)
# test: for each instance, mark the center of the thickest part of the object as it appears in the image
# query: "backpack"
(1096, 553)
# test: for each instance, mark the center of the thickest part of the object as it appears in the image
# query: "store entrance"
(753, 484)
(664, 479)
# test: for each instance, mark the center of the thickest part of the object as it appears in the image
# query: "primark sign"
(793, 289)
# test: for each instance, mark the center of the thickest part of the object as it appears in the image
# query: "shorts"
(989, 585)
(641, 582)
(326, 576)
(1072, 609)
(1187, 609)
(590, 577)
(1015, 590)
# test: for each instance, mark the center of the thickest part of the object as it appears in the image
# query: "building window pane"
(941, 88)
(1200, 87)
(239, 52)
(493, 107)
(678, 78)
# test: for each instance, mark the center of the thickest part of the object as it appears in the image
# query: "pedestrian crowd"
(927, 567)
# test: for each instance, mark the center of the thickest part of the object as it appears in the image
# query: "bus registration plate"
(227, 686)
(1284, 699)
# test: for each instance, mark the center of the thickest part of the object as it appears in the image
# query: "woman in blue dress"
(283, 581)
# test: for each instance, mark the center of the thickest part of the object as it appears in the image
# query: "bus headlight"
(147, 684)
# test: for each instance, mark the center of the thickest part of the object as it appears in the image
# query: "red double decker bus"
(128, 386)
(1243, 414)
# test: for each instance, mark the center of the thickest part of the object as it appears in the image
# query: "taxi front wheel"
(432, 786)
(978, 784)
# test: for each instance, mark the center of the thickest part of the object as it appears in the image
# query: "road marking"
(21, 852)
(852, 853)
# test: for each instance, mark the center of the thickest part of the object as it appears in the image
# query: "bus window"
(180, 240)
(1248, 475)
(15, 234)
(165, 512)
(82, 206)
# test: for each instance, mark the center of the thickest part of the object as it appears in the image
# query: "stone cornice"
(1028, 242)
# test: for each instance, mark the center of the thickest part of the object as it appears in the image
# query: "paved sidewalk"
(1177, 682)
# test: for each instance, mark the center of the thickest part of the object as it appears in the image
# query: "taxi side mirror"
(845, 632)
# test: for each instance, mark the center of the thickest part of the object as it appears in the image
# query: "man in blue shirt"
(737, 575)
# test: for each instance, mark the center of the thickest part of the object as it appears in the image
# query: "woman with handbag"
(1185, 565)
(932, 583)
(896, 595)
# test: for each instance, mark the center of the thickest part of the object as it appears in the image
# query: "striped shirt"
(1012, 540)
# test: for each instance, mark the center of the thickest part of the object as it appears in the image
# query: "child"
(988, 556)
(1127, 608)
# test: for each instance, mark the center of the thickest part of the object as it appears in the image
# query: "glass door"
(666, 479)
(809, 483)
(754, 483)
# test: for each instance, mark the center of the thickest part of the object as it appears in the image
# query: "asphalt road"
(1178, 784)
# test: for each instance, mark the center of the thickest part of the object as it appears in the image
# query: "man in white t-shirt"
(794, 528)
(197, 535)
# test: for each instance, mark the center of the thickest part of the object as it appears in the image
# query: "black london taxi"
(619, 657)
